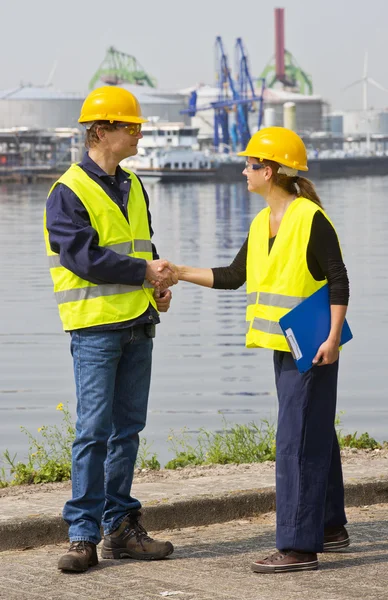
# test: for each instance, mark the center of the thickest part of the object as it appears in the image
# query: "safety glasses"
(254, 166)
(131, 128)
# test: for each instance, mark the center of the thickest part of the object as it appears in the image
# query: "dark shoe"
(79, 557)
(335, 538)
(130, 540)
(286, 561)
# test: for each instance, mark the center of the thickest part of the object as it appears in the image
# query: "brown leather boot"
(286, 561)
(79, 557)
(335, 538)
(131, 540)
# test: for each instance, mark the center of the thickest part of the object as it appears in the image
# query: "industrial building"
(224, 114)
(355, 122)
(39, 129)
(38, 108)
(163, 104)
(310, 111)
(46, 108)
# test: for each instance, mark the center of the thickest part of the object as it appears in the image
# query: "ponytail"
(306, 189)
(299, 186)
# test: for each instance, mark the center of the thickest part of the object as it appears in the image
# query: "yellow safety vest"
(82, 303)
(278, 281)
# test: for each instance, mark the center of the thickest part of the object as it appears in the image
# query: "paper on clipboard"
(293, 344)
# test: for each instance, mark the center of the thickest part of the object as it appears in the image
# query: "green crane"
(295, 76)
(118, 67)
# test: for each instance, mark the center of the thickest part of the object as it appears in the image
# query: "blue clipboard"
(307, 326)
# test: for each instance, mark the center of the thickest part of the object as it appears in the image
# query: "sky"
(174, 41)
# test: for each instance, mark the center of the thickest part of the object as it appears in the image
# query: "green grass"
(353, 440)
(233, 444)
(49, 455)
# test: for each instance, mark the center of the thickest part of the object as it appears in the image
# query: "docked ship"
(169, 152)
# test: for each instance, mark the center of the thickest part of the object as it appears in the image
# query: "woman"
(292, 250)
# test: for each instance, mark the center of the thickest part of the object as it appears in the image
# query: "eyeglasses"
(131, 128)
(254, 166)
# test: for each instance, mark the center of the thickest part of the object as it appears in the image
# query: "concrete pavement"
(212, 563)
(31, 515)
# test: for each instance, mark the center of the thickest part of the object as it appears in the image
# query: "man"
(102, 262)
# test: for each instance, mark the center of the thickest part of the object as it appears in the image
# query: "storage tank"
(269, 117)
(336, 123)
(356, 122)
(39, 108)
(309, 109)
(46, 108)
(383, 122)
(289, 115)
(156, 102)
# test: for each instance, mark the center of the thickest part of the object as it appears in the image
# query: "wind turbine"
(51, 75)
(365, 81)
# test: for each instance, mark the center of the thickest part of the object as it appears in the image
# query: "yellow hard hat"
(111, 103)
(280, 145)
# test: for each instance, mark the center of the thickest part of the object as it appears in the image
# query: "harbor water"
(202, 371)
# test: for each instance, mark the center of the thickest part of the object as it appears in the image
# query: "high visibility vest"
(80, 302)
(279, 280)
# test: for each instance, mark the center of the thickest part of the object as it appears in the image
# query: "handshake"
(161, 274)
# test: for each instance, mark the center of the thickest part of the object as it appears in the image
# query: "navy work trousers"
(309, 484)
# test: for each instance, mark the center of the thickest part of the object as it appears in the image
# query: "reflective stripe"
(279, 300)
(127, 247)
(143, 246)
(267, 326)
(97, 291)
(251, 298)
(54, 261)
(123, 248)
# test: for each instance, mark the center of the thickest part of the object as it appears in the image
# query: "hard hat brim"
(267, 157)
(280, 145)
(119, 118)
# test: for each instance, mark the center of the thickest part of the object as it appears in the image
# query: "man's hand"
(163, 300)
(161, 273)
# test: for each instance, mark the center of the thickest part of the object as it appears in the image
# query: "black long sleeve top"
(324, 260)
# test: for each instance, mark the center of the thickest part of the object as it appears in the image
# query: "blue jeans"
(112, 374)
(309, 484)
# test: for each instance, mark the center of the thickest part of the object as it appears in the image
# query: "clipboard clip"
(293, 344)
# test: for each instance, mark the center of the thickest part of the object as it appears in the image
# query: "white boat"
(170, 152)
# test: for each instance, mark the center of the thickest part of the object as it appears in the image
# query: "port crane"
(238, 96)
(119, 67)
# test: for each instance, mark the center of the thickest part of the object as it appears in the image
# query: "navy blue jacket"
(72, 236)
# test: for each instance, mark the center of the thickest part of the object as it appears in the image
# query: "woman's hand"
(327, 354)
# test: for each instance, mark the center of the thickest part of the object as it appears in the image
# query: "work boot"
(335, 538)
(131, 540)
(79, 557)
(286, 561)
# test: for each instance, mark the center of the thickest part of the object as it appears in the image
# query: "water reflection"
(202, 369)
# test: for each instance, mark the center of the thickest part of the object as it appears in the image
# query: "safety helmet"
(280, 145)
(111, 103)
